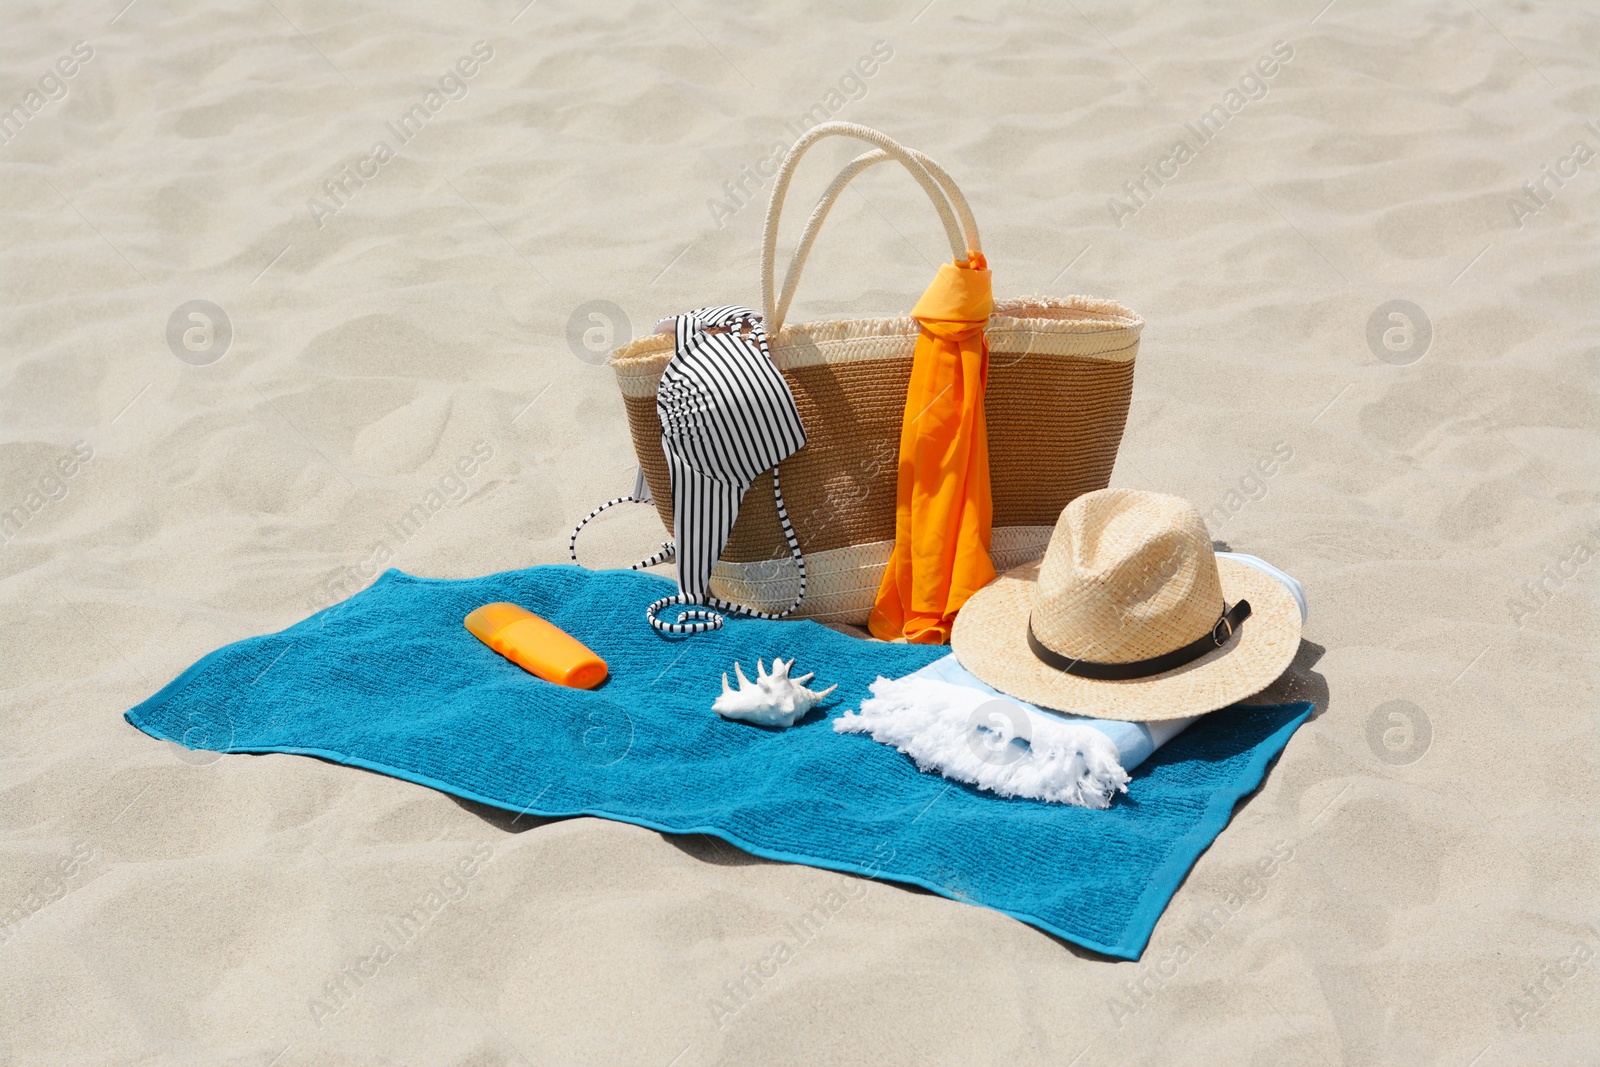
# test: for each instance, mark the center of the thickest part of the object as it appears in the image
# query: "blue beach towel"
(391, 681)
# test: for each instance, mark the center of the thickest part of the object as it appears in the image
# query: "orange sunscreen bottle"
(537, 646)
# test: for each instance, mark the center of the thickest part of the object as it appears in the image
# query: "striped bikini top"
(726, 416)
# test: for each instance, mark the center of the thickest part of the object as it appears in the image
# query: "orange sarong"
(943, 511)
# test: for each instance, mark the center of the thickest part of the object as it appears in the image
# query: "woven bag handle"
(825, 204)
(961, 228)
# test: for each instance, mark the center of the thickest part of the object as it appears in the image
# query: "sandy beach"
(297, 292)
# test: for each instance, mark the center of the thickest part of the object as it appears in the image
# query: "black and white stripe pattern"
(726, 415)
(665, 554)
(710, 620)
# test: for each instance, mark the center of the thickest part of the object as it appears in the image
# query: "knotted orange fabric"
(943, 511)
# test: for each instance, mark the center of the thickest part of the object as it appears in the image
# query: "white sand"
(1412, 909)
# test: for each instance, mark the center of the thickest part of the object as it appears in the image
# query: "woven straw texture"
(1060, 378)
(1128, 576)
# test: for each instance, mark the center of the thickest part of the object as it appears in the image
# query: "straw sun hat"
(1130, 615)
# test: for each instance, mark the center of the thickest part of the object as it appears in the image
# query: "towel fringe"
(990, 742)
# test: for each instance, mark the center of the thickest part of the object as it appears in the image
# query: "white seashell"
(773, 699)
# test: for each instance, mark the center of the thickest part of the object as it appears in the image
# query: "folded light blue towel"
(390, 680)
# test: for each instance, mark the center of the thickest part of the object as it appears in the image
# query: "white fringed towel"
(993, 743)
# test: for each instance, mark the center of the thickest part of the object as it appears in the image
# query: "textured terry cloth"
(996, 744)
(391, 681)
(943, 508)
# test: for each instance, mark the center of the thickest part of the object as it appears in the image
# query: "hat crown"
(1129, 575)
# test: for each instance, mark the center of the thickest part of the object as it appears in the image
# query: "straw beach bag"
(1060, 376)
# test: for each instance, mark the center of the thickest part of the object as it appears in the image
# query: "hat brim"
(990, 639)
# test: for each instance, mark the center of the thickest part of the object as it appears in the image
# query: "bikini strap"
(638, 496)
(698, 620)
